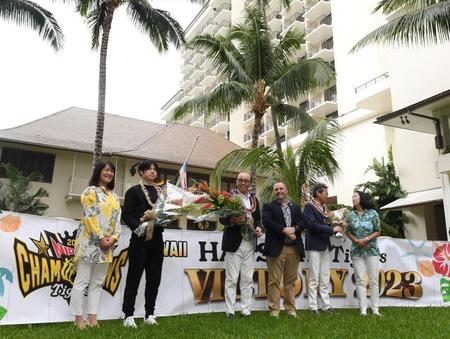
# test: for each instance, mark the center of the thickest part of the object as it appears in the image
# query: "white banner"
(35, 280)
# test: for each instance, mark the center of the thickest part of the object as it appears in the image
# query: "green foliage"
(257, 73)
(30, 14)
(423, 22)
(16, 195)
(384, 191)
(312, 160)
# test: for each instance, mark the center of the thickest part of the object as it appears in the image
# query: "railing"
(330, 94)
(172, 100)
(224, 6)
(327, 20)
(321, 21)
(247, 137)
(312, 3)
(372, 82)
(328, 44)
(273, 15)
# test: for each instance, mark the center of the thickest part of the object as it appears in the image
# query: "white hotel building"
(404, 90)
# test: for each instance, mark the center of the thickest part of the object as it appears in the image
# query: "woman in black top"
(144, 255)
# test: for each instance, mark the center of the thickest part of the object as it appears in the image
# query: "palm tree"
(312, 160)
(30, 14)
(158, 24)
(15, 195)
(257, 73)
(425, 22)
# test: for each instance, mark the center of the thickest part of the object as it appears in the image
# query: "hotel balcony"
(208, 80)
(375, 94)
(196, 89)
(323, 105)
(218, 124)
(210, 27)
(197, 74)
(197, 58)
(77, 185)
(222, 13)
(323, 50)
(268, 131)
(274, 21)
(218, 3)
(317, 8)
(248, 140)
(223, 28)
(249, 120)
(273, 5)
(296, 6)
(276, 37)
(187, 82)
(319, 30)
(297, 22)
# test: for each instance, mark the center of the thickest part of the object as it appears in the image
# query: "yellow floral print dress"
(101, 218)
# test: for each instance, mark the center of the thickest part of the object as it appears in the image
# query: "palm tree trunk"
(98, 145)
(256, 129)
(277, 134)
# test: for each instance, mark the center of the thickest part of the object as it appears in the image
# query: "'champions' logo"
(51, 262)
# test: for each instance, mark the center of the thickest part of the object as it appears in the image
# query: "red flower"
(200, 200)
(225, 193)
(441, 259)
(207, 206)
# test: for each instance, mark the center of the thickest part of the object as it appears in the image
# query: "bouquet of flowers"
(339, 218)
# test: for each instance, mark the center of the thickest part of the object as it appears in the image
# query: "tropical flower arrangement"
(339, 217)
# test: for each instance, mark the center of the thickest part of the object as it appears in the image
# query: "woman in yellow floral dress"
(98, 232)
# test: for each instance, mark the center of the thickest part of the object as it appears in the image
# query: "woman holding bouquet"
(98, 232)
(146, 249)
(363, 230)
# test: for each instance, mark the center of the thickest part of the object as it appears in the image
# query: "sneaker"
(377, 313)
(329, 310)
(274, 314)
(129, 322)
(230, 316)
(150, 320)
(245, 314)
(363, 314)
(292, 314)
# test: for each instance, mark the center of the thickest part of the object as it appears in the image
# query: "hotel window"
(28, 162)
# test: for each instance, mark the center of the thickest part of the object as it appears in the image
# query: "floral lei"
(319, 208)
(252, 198)
(147, 195)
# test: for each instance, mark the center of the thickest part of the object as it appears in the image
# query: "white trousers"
(320, 272)
(360, 266)
(241, 262)
(92, 275)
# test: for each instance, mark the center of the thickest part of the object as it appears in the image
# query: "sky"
(36, 81)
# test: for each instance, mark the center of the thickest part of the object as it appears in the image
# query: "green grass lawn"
(396, 323)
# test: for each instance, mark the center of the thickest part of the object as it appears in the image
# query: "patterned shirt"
(288, 220)
(361, 226)
(101, 218)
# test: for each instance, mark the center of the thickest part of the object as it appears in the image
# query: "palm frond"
(289, 44)
(421, 27)
(157, 24)
(29, 14)
(95, 20)
(389, 6)
(224, 56)
(295, 116)
(222, 99)
(317, 153)
(300, 78)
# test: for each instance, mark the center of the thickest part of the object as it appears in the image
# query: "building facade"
(371, 83)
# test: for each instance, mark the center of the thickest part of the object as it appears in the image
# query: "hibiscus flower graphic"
(441, 259)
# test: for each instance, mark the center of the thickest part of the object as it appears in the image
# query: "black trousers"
(142, 257)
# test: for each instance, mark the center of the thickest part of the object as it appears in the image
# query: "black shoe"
(230, 316)
(315, 312)
(329, 310)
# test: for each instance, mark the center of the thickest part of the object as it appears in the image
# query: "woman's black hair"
(95, 178)
(364, 200)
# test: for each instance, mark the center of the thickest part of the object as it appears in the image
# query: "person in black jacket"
(239, 243)
(283, 223)
(142, 255)
(317, 239)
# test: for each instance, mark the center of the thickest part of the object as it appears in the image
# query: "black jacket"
(232, 237)
(318, 230)
(273, 221)
(133, 209)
